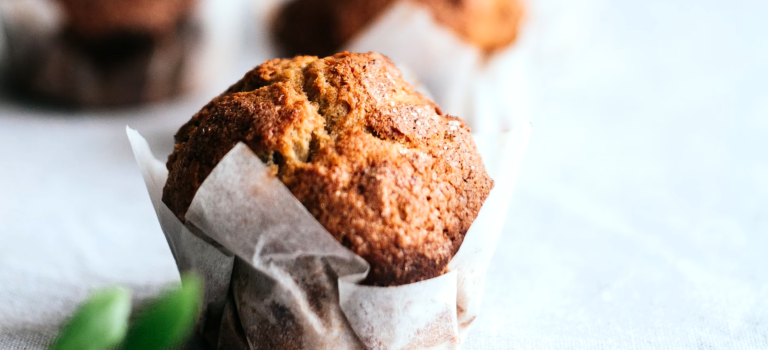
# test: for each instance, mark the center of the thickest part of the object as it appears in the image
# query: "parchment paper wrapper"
(487, 91)
(43, 61)
(276, 279)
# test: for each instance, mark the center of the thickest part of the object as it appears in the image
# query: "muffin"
(378, 164)
(320, 27)
(94, 19)
(101, 53)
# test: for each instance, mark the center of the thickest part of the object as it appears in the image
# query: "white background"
(640, 220)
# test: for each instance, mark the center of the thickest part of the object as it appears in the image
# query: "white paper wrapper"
(276, 279)
(488, 92)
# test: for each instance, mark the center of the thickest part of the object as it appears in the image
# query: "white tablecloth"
(640, 220)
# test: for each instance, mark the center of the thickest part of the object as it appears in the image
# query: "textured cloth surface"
(640, 220)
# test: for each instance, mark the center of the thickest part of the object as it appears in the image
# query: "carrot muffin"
(375, 162)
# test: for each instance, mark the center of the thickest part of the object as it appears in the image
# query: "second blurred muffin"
(321, 27)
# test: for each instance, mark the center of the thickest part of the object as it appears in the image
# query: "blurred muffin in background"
(100, 52)
(95, 19)
(321, 27)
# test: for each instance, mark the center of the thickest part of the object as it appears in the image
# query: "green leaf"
(168, 320)
(99, 323)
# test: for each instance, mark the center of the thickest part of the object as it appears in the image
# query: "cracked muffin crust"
(321, 27)
(376, 163)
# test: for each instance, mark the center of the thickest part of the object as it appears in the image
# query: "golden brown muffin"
(376, 163)
(321, 27)
(99, 18)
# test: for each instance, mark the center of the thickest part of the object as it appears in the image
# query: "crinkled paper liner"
(276, 279)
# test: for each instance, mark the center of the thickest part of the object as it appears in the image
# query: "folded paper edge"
(434, 333)
(217, 271)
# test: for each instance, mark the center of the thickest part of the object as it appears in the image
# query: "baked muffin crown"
(374, 161)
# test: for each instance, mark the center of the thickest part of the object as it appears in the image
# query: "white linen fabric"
(640, 219)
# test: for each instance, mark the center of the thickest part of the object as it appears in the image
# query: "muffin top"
(321, 27)
(103, 18)
(375, 162)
